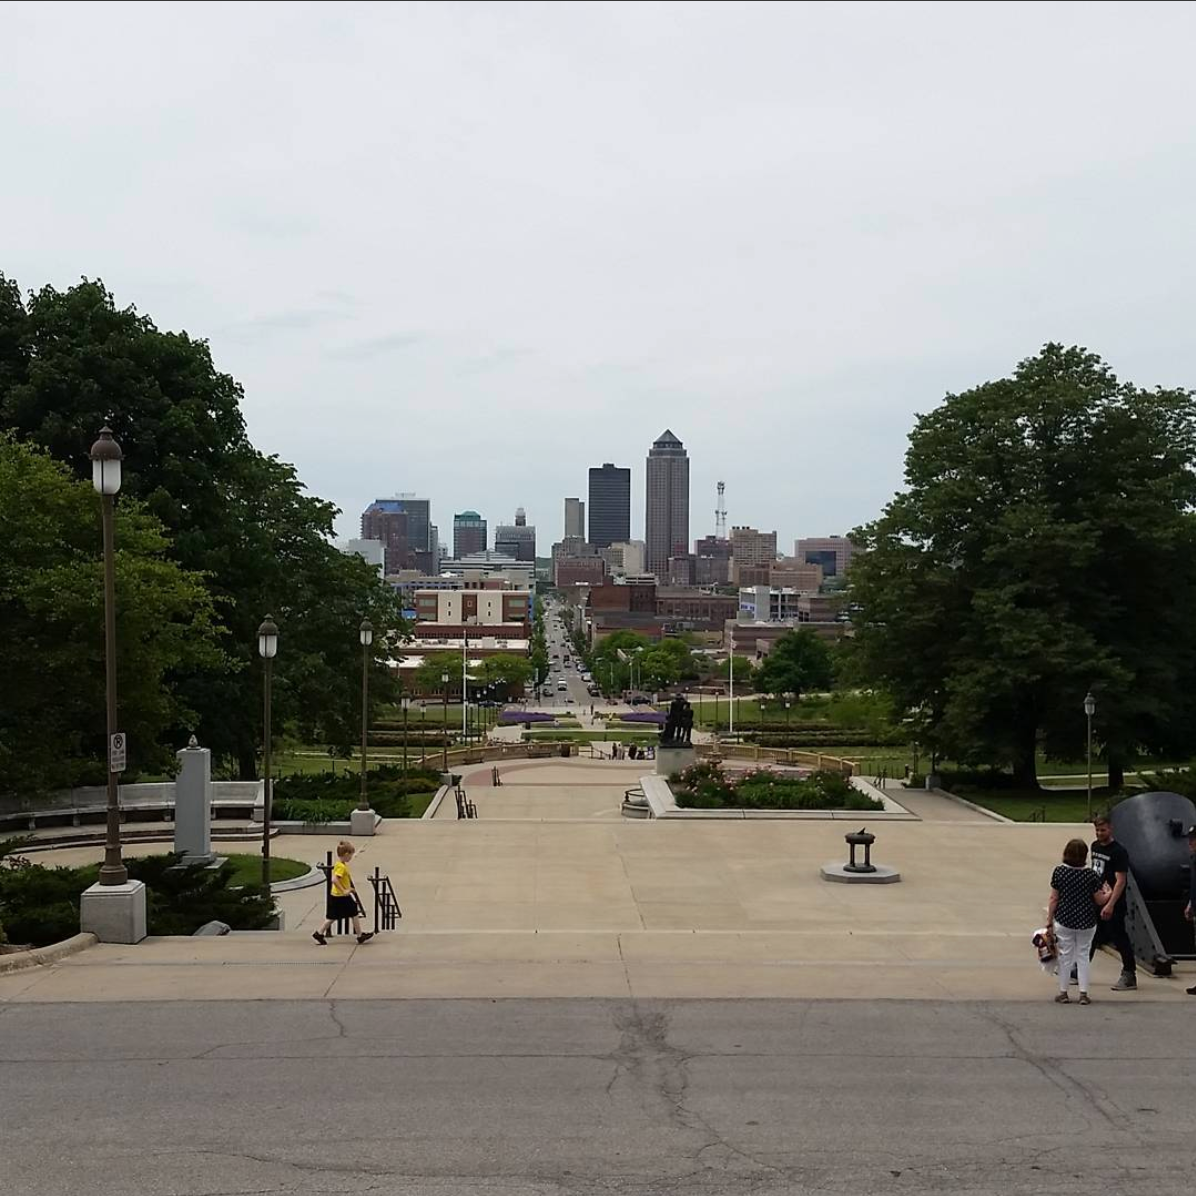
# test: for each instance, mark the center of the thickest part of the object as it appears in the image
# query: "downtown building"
(832, 553)
(610, 505)
(403, 525)
(575, 519)
(518, 539)
(666, 504)
(469, 534)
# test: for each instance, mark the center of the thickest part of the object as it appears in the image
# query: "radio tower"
(720, 514)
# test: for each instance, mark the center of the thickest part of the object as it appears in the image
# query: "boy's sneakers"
(365, 938)
(315, 934)
(1126, 982)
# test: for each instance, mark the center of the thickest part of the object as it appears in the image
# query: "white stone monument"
(193, 805)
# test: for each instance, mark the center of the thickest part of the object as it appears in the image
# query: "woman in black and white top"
(1076, 893)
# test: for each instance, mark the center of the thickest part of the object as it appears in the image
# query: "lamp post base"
(362, 822)
(114, 913)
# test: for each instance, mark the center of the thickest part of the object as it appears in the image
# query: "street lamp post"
(444, 680)
(105, 476)
(114, 908)
(788, 721)
(406, 706)
(267, 646)
(366, 634)
(1089, 710)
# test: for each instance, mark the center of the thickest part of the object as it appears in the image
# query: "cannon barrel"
(1152, 827)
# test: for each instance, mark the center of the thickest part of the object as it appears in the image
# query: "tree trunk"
(1116, 771)
(247, 763)
(1025, 763)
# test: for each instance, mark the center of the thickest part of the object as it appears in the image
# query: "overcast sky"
(469, 250)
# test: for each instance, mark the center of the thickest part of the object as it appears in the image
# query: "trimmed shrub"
(705, 786)
(40, 905)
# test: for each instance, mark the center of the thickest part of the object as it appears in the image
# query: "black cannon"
(1153, 828)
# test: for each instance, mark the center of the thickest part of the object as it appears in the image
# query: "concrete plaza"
(549, 893)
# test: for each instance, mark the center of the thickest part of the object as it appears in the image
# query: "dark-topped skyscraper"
(610, 505)
(666, 504)
(469, 534)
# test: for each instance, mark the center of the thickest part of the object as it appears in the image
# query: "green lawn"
(1030, 806)
(247, 868)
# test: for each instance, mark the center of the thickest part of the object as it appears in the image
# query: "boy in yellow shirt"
(342, 898)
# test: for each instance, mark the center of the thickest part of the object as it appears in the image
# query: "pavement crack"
(1049, 1068)
(647, 1059)
(342, 1029)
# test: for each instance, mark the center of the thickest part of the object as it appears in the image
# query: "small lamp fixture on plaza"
(363, 820)
(113, 909)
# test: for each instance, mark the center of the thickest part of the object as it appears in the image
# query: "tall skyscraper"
(403, 524)
(516, 539)
(666, 504)
(610, 505)
(469, 534)
(575, 518)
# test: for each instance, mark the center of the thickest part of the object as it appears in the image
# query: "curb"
(971, 805)
(306, 881)
(434, 804)
(45, 955)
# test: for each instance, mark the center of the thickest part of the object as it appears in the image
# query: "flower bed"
(656, 717)
(706, 787)
(514, 717)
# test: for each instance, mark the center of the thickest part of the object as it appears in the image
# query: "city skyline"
(794, 253)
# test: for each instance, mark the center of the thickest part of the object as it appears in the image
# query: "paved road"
(548, 1098)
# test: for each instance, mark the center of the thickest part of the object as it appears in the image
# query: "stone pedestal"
(193, 806)
(362, 822)
(880, 875)
(114, 913)
(674, 759)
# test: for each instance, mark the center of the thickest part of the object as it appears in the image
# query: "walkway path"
(550, 892)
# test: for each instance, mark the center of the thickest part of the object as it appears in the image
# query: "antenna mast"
(720, 514)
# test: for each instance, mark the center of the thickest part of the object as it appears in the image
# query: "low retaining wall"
(663, 805)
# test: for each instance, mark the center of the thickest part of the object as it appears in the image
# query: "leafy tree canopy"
(799, 661)
(71, 361)
(52, 719)
(1044, 546)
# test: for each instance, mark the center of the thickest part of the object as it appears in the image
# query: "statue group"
(679, 725)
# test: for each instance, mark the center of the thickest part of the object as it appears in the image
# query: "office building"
(516, 539)
(666, 504)
(469, 534)
(575, 519)
(752, 547)
(403, 524)
(610, 505)
(622, 558)
(713, 561)
(833, 553)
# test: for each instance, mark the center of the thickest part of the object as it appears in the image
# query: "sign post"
(117, 752)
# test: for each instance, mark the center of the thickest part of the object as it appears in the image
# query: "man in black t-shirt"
(1111, 862)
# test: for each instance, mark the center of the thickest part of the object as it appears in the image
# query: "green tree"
(508, 672)
(798, 661)
(1044, 545)
(52, 719)
(72, 360)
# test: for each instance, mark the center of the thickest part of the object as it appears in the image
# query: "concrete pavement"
(550, 893)
(595, 1098)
